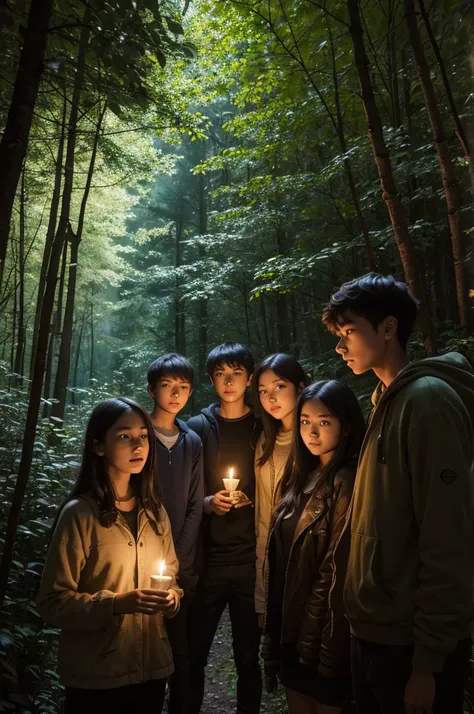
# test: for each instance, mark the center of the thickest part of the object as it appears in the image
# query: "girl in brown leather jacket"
(109, 539)
(306, 633)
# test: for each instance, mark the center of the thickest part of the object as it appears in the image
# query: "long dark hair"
(341, 403)
(289, 369)
(93, 478)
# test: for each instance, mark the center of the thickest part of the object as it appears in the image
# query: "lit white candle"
(161, 581)
(231, 483)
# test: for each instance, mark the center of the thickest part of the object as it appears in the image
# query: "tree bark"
(64, 359)
(55, 332)
(448, 177)
(389, 190)
(44, 326)
(17, 129)
(461, 134)
(21, 335)
(203, 313)
(77, 356)
(179, 316)
(53, 216)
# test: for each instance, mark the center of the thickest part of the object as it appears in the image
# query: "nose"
(341, 347)
(272, 397)
(137, 444)
(314, 431)
(228, 380)
(175, 392)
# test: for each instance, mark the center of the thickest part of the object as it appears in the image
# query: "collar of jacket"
(109, 517)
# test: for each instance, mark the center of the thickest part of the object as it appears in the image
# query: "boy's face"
(362, 346)
(170, 393)
(230, 382)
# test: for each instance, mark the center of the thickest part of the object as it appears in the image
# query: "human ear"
(150, 391)
(249, 381)
(302, 386)
(390, 327)
(98, 448)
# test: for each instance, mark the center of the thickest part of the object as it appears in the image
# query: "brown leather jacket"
(313, 616)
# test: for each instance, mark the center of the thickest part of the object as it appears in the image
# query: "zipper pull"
(169, 457)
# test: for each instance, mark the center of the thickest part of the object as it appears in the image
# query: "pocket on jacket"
(364, 595)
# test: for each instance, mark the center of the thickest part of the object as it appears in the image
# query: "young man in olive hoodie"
(408, 592)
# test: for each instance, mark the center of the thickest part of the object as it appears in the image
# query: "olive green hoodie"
(410, 572)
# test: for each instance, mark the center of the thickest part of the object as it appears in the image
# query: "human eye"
(238, 374)
(218, 374)
(144, 437)
(349, 331)
(164, 385)
(304, 422)
(122, 436)
(185, 387)
(262, 391)
(281, 386)
(324, 422)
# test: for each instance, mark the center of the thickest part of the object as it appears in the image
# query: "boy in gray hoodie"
(408, 592)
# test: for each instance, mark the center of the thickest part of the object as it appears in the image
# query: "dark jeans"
(220, 586)
(144, 698)
(178, 701)
(380, 674)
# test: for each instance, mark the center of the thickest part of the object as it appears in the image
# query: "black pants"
(380, 674)
(218, 586)
(178, 702)
(145, 698)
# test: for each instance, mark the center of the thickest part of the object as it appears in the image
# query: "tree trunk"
(43, 332)
(91, 334)
(179, 316)
(203, 314)
(450, 185)
(389, 191)
(460, 133)
(53, 216)
(21, 338)
(371, 262)
(17, 129)
(77, 357)
(64, 360)
(55, 333)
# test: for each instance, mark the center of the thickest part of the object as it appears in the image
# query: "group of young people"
(344, 552)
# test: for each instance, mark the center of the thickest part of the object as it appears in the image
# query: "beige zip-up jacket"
(87, 564)
(267, 481)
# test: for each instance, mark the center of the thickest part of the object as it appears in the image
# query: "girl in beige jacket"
(277, 382)
(109, 538)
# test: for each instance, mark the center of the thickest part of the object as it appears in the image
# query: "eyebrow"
(319, 415)
(280, 379)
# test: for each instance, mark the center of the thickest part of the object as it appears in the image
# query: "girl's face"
(277, 395)
(125, 446)
(320, 430)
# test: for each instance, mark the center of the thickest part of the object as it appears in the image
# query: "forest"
(175, 175)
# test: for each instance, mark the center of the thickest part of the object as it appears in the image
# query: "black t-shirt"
(132, 519)
(232, 536)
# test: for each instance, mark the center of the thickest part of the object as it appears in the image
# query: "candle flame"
(231, 473)
(162, 567)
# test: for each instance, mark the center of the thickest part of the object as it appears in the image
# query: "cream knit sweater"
(267, 479)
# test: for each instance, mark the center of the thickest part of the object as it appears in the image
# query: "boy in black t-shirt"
(229, 432)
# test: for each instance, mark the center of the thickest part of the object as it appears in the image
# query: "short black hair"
(232, 354)
(374, 297)
(170, 365)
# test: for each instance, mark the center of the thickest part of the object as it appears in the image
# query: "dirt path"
(219, 697)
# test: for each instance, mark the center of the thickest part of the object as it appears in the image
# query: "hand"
(221, 503)
(261, 620)
(141, 600)
(240, 499)
(271, 683)
(171, 608)
(420, 693)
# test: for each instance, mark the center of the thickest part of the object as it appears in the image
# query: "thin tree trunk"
(43, 332)
(203, 315)
(389, 190)
(179, 317)
(450, 185)
(17, 129)
(460, 133)
(78, 354)
(53, 216)
(371, 262)
(55, 332)
(64, 359)
(91, 332)
(21, 337)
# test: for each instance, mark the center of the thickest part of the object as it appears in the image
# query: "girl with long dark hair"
(306, 633)
(109, 538)
(277, 382)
